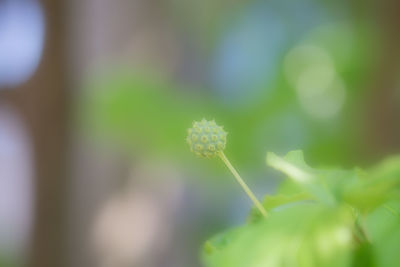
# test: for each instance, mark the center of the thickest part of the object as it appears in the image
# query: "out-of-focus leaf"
(222, 240)
(364, 256)
(293, 165)
(303, 235)
(311, 180)
(364, 190)
(327, 231)
(277, 202)
(376, 187)
(383, 228)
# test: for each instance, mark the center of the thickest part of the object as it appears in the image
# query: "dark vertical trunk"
(43, 102)
(383, 112)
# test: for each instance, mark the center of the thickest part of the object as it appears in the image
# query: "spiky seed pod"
(206, 138)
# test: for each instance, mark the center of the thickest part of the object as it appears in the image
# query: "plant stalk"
(243, 184)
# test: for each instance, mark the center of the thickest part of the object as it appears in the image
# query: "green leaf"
(288, 187)
(364, 190)
(311, 180)
(326, 231)
(220, 242)
(293, 165)
(383, 228)
(276, 202)
(375, 187)
(299, 236)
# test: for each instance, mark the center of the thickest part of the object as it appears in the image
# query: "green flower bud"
(206, 138)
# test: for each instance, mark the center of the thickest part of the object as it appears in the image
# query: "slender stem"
(242, 183)
(392, 210)
(359, 233)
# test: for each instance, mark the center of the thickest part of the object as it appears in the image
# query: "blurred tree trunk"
(44, 100)
(383, 109)
(43, 104)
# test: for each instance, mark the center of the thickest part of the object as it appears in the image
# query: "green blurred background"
(96, 97)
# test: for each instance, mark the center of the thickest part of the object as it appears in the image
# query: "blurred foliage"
(146, 112)
(334, 218)
(9, 260)
(251, 56)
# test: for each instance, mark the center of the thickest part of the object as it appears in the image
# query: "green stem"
(392, 210)
(360, 231)
(242, 183)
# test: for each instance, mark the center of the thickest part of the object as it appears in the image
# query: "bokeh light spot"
(21, 40)
(310, 70)
(324, 103)
(304, 57)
